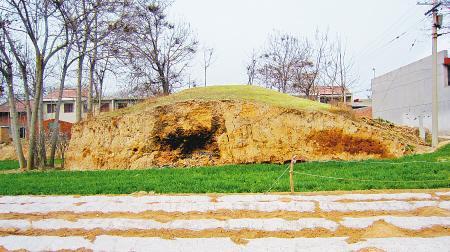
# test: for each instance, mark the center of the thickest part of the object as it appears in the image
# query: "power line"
(380, 37)
(397, 37)
(401, 35)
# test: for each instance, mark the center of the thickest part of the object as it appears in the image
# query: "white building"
(67, 113)
(67, 110)
(403, 96)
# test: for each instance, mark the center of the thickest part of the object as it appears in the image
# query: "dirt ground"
(7, 152)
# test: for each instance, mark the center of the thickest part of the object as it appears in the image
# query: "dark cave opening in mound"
(188, 141)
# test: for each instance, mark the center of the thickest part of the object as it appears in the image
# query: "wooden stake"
(291, 173)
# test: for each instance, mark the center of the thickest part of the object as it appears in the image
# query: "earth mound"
(230, 125)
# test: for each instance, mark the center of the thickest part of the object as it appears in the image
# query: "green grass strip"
(424, 169)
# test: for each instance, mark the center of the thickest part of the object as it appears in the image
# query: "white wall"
(404, 94)
(67, 117)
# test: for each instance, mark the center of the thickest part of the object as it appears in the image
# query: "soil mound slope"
(229, 125)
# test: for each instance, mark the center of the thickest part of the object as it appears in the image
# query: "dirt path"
(369, 221)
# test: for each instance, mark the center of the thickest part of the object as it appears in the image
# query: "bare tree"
(290, 64)
(6, 68)
(2, 90)
(310, 72)
(157, 50)
(63, 145)
(82, 35)
(32, 18)
(72, 17)
(105, 14)
(341, 72)
(99, 18)
(282, 55)
(92, 62)
(23, 62)
(251, 68)
(207, 59)
(106, 63)
(67, 58)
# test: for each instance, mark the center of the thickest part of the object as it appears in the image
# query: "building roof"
(20, 106)
(67, 93)
(330, 90)
(109, 98)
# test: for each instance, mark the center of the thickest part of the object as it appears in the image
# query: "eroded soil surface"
(197, 133)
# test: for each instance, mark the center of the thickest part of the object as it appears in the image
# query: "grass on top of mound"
(229, 92)
(246, 93)
(412, 172)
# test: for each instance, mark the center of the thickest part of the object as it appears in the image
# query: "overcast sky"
(235, 27)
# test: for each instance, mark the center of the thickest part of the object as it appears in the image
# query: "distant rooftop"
(330, 90)
(20, 106)
(67, 93)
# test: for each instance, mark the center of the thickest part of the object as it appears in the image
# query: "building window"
(448, 75)
(4, 118)
(68, 107)
(121, 105)
(85, 108)
(51, 108)
(22, 132)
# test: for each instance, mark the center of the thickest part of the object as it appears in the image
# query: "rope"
(372, 180)
(277, 180)
(364, 180)
(381, 162)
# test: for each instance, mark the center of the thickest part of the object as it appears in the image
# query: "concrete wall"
(404, 94)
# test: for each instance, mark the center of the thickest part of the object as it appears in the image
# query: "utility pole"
(434, 84)
(434, 117)
(373, 69)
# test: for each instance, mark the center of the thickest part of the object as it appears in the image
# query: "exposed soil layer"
(196, 133)
(378, 230)
(162, 216)
(335, 141)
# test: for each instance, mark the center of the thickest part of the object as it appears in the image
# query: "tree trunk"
(205, 76)
(100, 91)
(342, 78)
(93, 62)
(164, 82)
(90, 105)
(90, 89)
(14, 119)
(99, 103)
(79, 105)
(41, 147)
(55, 128)
(35, 109)
(165, 85)
(26, 89)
